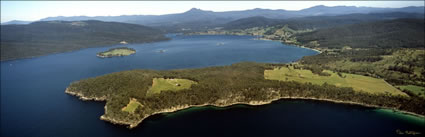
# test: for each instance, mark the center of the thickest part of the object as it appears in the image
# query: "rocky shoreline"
(252, 103)
(82, 97)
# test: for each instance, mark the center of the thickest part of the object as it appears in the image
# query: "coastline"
(82, 97)
(263, 38)
(295, 45)
(251, 103)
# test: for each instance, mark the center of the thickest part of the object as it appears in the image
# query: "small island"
(120, 51)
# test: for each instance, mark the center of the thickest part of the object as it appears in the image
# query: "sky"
(36, 10)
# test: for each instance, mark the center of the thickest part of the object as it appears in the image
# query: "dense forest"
(398, 33)
(317, 22)
(242, 82)
(41, 38)
(257, 21)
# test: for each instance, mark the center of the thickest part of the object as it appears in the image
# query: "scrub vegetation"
(132, 106)
(420, 91)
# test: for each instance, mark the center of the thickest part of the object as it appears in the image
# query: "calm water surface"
(33, 102)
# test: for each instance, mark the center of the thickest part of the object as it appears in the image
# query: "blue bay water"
(33, 102)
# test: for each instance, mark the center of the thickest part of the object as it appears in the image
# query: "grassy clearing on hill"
(132, 106)
(357, 82)
(420, 91)
(161, 84)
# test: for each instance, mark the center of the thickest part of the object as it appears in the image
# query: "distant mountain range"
(340, 10)
(16, 22)
(195, 19)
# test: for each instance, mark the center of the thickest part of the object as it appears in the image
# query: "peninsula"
(132, 96)
(120, 51)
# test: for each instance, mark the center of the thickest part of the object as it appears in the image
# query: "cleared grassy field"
(420, 91)
(357, 82)
(161, 84)
(132, 106)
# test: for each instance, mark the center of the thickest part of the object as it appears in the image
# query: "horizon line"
(196, 8)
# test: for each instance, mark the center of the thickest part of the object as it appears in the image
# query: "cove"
(293, 117)
(33, 102)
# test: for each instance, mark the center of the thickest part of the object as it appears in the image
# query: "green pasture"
(161, 84)
(357, 82)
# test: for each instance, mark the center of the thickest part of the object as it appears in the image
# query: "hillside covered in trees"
(375, 30)
(41, 38)
(317, 22)
(398, 33)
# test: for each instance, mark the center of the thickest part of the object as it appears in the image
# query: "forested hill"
(41, 38)
(406, 33)
(317, 22)
(250, 22)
